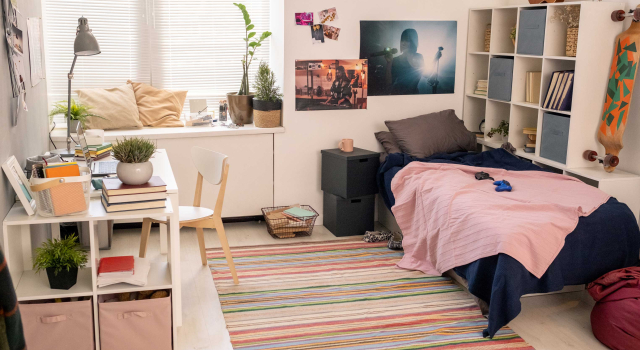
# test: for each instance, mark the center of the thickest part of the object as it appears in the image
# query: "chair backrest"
(209, 163)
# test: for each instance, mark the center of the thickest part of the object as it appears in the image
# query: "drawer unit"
(350, 175)
(531, 31)
(555, 137)
(348, 216)
(52, 326)
(500, 78)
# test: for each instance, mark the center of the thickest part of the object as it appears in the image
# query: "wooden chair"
(213, 167)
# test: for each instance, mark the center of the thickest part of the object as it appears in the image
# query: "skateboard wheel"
(636, 15)
(611, 160)
(590, 155)
(618, 16)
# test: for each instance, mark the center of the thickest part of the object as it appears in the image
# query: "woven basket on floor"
(266, 119)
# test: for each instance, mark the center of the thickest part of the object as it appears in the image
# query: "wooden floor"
(549, 322)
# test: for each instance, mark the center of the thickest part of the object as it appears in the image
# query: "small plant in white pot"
(134, 154)
(61, 258)
(267, 102)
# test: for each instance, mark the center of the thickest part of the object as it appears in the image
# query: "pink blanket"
(450, 219)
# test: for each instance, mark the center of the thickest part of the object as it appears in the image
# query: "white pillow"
(117, 107)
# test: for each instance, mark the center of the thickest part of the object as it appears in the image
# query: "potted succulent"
(267, 102)
(241, 102)
(134, 154)
(79, 113)
(61, 259)
(502, 130)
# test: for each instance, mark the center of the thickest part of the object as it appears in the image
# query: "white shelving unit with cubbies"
(591, 65)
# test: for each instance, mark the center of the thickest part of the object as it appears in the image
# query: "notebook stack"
(530, 146)
(117, 197)
(560, 92)
(123, 269)
(532, 88)
(96, 151)
(481, 87)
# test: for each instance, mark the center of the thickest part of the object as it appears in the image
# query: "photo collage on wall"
(396, 58)
(14, 34)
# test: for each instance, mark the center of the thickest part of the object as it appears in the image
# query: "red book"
(116, 264)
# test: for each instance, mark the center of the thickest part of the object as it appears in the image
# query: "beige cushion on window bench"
(157, 107)
(116, 105)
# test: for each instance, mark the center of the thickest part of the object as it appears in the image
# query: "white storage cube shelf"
(591, 66)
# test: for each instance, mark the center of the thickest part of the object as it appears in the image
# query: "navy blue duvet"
(606, 240)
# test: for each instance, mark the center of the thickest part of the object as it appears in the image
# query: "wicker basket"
(60, 196)
(282, 227)
(487, 38)
(572, 42)
(266, 119)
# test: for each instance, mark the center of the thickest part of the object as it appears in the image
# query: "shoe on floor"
(395, 242)
(376, 236)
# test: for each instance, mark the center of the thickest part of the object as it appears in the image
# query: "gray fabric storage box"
(348, 217)
(531, 31)
(350, 175)
(500, 78)
(555, 137)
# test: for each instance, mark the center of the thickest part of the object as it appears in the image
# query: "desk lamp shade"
(85, 43)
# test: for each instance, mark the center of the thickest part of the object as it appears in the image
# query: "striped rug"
(346, 295)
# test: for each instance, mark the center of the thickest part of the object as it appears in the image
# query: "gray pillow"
(388, 142)
(428, 134)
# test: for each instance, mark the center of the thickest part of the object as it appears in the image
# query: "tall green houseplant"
(251, 45)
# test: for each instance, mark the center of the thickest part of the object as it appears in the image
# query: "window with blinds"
(193, 45)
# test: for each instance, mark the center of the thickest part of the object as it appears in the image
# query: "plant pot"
(266, 114)
(73, 125)
(134, 173)
(240, 108)
(64, 279)
(572, 42)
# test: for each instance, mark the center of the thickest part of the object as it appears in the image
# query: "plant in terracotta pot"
(134, 154)
(79, 113)
(241, 102)
(267, 102)
(61, 258)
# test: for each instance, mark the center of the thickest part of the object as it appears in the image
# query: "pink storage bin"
(138, 324)
(62, 326)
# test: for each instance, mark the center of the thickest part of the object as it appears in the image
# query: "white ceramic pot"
(134, 173)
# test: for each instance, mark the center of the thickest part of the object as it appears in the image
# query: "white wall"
(29, 136)
(631, 152)
(297, 151)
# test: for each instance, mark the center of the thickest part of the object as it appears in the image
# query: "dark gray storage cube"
(350, 175)
(555, 137)
(531, 31)
(348, 217)
(500, 78)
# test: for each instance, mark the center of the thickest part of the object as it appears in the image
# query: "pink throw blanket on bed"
(450, 219)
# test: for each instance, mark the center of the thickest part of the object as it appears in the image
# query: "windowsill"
(60, 135)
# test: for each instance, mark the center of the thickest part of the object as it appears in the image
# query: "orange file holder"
(60, 196)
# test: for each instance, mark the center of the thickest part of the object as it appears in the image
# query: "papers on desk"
(139, 278)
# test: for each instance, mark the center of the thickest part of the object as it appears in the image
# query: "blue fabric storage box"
(555, 137)
(500, 78)
(531, 31)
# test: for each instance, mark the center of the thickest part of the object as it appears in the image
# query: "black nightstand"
(349, 185)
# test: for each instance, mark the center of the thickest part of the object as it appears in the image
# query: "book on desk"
(117, 196)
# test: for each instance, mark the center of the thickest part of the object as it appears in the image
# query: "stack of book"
(532, 89)
(96, 151)
(530, 146)
(560, 92)
(117, 196)
(481, 87)
(123, 269)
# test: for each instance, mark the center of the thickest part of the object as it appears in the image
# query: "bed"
(606, 240)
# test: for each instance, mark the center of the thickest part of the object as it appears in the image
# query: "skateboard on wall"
(620, 85)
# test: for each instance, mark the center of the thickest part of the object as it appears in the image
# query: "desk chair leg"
(203, 253)
(144, 237)
(225, 248)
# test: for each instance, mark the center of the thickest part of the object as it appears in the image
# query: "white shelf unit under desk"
(31, 286)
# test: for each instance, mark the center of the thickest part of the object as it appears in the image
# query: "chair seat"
(194, 213)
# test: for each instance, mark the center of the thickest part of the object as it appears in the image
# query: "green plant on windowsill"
(502, 129)
(79, 111)
(265, 85)
(133, 150)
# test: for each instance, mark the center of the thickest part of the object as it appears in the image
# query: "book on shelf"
(141, 268)
(532, 88)
(529, 150)
(533, 145)
(118, 207)
(114, 187)
(116, 266)
(480, 92)
(560, 93)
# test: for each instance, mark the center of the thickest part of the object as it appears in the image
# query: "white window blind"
(193, 45)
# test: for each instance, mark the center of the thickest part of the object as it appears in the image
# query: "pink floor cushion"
(615, 317)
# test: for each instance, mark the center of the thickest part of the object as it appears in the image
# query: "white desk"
(31, 286)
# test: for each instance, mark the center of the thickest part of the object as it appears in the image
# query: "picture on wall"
(409, 57)
(304, 18)
(331, 84)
